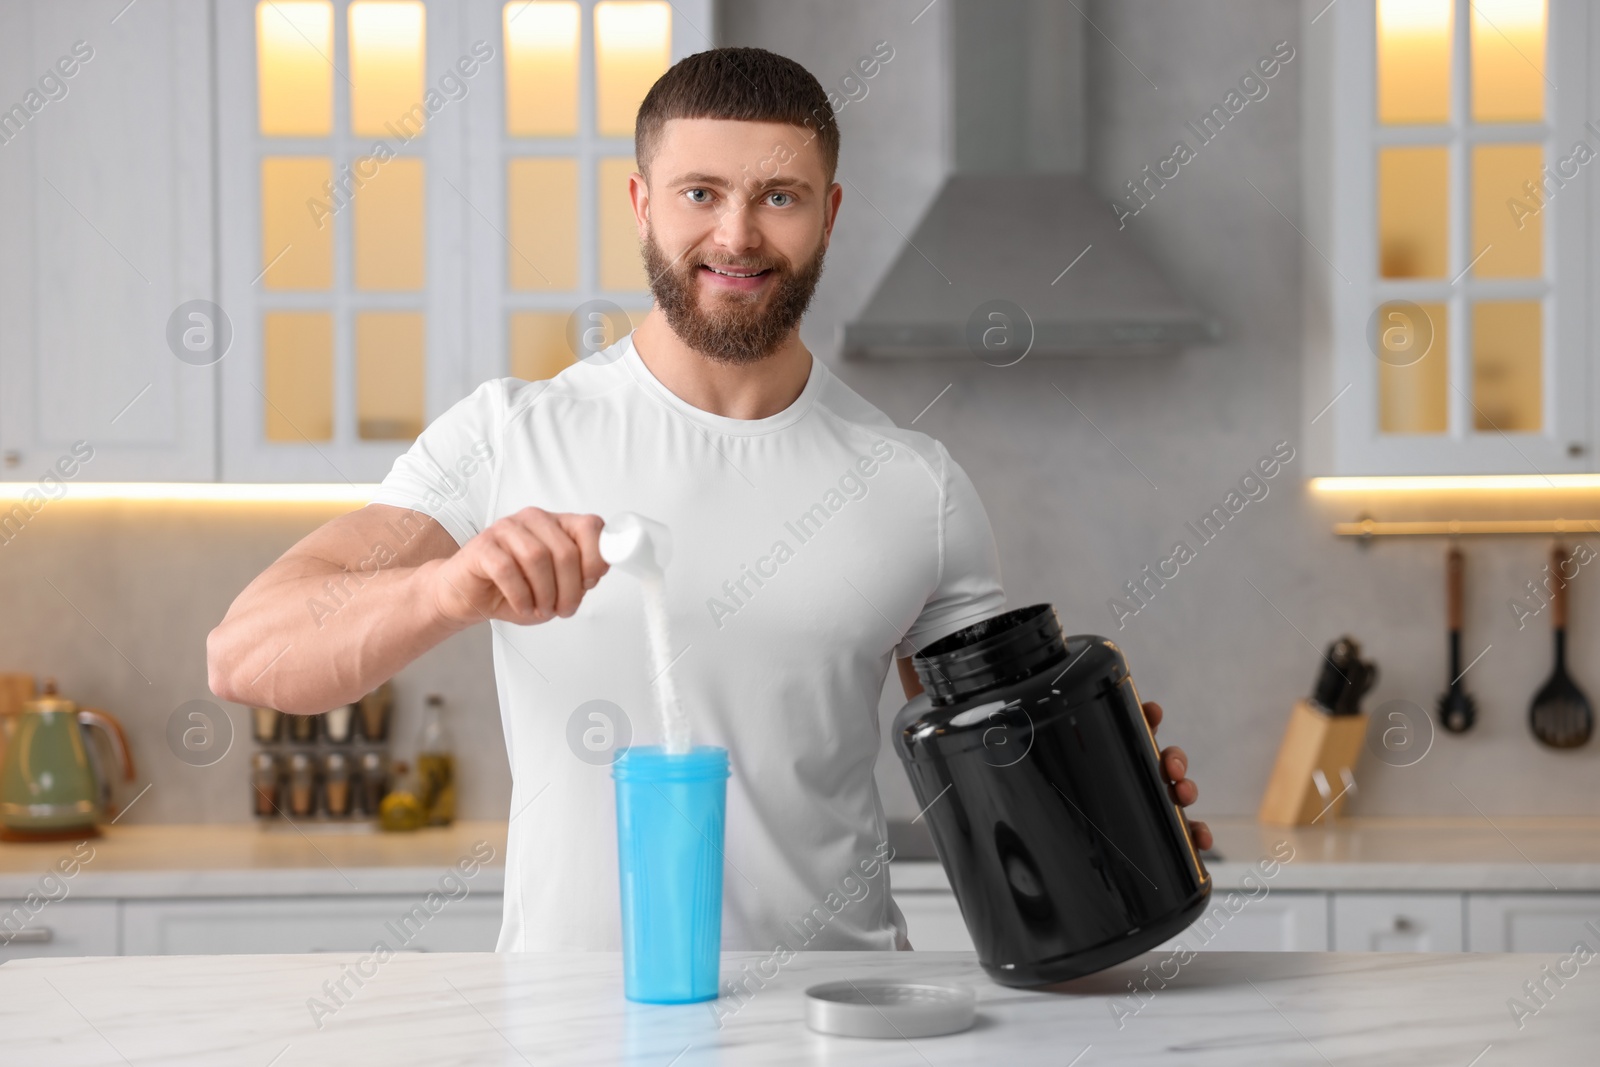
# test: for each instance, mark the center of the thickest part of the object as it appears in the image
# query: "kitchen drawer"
(1531, 922)
(1397, 922)
(318, 924)
(1277, 922)
(63, 928)
(933, 921)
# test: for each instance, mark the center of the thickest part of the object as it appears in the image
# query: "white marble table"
(1220, 1009)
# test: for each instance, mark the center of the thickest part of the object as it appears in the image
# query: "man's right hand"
(526, 568)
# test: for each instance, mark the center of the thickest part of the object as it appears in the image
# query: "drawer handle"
(37, 936)
(1403, 924)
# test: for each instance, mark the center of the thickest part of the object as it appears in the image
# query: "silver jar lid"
(889, 1009)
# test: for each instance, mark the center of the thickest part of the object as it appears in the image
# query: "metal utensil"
(1560, 716)
(1457, 709)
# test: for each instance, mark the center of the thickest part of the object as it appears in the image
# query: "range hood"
(1017, 220)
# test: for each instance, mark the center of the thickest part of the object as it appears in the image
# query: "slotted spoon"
(1560, 716)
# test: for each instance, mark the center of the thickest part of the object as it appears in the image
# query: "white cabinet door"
(1397, 922)
(326, 924)
(1532, 922)
(63, 928)
(1277, 922)
(933, 921)
(106, 233)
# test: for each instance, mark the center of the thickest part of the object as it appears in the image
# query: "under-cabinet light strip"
(220, 492)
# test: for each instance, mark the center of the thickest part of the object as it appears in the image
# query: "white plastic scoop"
(636, 544)
(643, 547)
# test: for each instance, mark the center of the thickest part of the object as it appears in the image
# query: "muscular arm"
(367, 593)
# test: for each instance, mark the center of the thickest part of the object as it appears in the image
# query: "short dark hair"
(744, 84)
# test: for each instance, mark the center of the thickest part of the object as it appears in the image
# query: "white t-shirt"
(808, 549)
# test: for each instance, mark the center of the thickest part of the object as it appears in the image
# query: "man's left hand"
(1174, 765)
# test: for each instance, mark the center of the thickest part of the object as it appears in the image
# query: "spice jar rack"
(331, 768)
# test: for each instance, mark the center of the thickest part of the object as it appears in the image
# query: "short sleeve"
(450, 470)
(969, 586)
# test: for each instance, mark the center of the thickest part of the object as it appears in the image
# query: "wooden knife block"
(1315, 740)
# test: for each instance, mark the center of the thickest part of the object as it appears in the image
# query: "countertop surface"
(1367, 854)
(1220, 1008)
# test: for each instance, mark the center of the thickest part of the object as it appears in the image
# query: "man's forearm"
(312, 637)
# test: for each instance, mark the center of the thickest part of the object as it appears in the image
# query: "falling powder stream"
(674, 725)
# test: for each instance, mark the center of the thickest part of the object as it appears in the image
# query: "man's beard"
(737, 329)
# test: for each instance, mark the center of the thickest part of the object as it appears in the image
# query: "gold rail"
(1464, 527)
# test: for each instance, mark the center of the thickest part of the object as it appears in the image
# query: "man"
(813, 541)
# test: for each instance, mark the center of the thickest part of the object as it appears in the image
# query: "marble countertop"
(1220, 1008)
(1386, 854)
(1366, 854)
(232, 859)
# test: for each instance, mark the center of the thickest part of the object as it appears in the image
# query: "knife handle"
(1558, 592)
(1455, 565)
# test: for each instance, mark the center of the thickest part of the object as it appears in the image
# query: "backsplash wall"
(115, 600)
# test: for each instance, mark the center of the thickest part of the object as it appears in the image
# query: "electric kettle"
(49, 785)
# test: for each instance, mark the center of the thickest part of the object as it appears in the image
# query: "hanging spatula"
(1457, 709)
(1560, 716)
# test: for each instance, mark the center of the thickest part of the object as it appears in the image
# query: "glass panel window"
(297, 348)
(386, 75)
(296, 245)
(541, 47)
(1508, 47)
(633, 47)
(539, 346)
(1413, 212)
(542, 223)
(388, 225)
(1507, 365)
(1414, 61)
(621, 265)
(390, 375)
(294, 68)
(1507, 224)
(1413, 388)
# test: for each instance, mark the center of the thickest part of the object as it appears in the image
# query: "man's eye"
(698, 196)
(781, 199)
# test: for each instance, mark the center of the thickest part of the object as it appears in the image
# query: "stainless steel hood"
(1017, 220)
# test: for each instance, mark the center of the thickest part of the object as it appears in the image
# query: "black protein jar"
(1042, 787)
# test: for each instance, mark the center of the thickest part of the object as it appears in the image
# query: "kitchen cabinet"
(1397, 922)
(105, 174)
(63, 928)
(1277, 922)
(1532, 922)
(309, 924)
(933, 921)
(1447, 231)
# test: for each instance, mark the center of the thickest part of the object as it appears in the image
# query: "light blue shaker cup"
(670, 813)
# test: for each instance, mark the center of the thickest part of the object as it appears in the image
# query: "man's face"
(735, 220)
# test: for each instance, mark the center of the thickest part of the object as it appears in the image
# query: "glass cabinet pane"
(1413, 212)
(541, 48)
(539, 346)
(632, 48)
(1414, 61)
(542, 223)
(389, 225)
(390, 375)
(386, 76)
(297, 354)
(1507, 365)
(621, 265)
(1506, 218)
(1413, 389)
(296, 244)
(294, 68)
(1508, 49)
